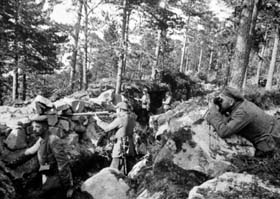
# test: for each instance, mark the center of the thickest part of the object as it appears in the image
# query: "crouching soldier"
(54, 164)
(123, 153)
(231, 114)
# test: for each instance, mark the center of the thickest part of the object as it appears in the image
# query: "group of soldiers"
(229, 113)
(57, 181)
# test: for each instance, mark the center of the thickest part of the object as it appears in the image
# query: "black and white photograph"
(139, 99)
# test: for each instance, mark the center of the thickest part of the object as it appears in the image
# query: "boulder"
(16, 139)
(196, 146)
(42, 105)
(235, 185)
(109, 183)
(105, 97)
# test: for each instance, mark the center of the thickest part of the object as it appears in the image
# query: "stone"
(41, 104)
(57, 131)
(234, 185)
(92, 133)
(64, 124)
(52, 120)
(109, 183)
(43, 100)
(137, 168)
(104, 98)
(72, 139)
(197, 147)
(16, 139)
(61, 105)
(76, 105)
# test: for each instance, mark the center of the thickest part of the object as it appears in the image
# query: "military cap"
(122, 105)
(233, 93)
(39, 118)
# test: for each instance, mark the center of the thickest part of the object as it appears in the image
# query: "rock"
(107, 184)
(92, 133)
(235, 185)
(198, 147)
(52, 120)
(57, 131)
(43, 100)
(76, 105)
(16, 139)
(72, 139)
(105, 97)
(61, 105)
(137, 168)
(7, 190)
(41, 105)
(64, 124)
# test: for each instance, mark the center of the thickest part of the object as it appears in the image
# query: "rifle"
(90, 113)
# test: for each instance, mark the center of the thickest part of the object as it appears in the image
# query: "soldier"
(231, 114)
(166, 102)
(143, 118)
(54, 164)
(123, 153)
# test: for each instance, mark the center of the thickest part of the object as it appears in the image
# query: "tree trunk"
(227, 74)
(16, 60)
(187, 60)
(242, 48)
(126, 34)
(85, 66)
(183, 53)
(200, 59)
(15, 84)
(157, 52)
(76, 43)
(122, 54)
(261, 59)
(163, 47)
(273, 60)
(210, 60)
(23, 86)
(256, 6)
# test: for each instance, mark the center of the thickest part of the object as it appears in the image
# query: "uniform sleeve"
(116, 123)
(32, 150)
(62, 160)
(238, 120)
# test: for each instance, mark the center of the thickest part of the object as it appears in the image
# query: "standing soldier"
(123, 153)
(57, 179)
(145, 107)
(166, 102)
(146, 101)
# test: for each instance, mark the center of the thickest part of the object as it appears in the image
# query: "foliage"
(266, 168)
(181, 86)
(262, 98)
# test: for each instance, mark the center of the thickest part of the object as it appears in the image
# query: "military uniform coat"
(249, 121)
(52, 153)
(124, 123)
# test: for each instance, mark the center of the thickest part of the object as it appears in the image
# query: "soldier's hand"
(96, 117)
(213, 107)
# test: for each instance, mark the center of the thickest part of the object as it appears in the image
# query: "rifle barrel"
(90, 113)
